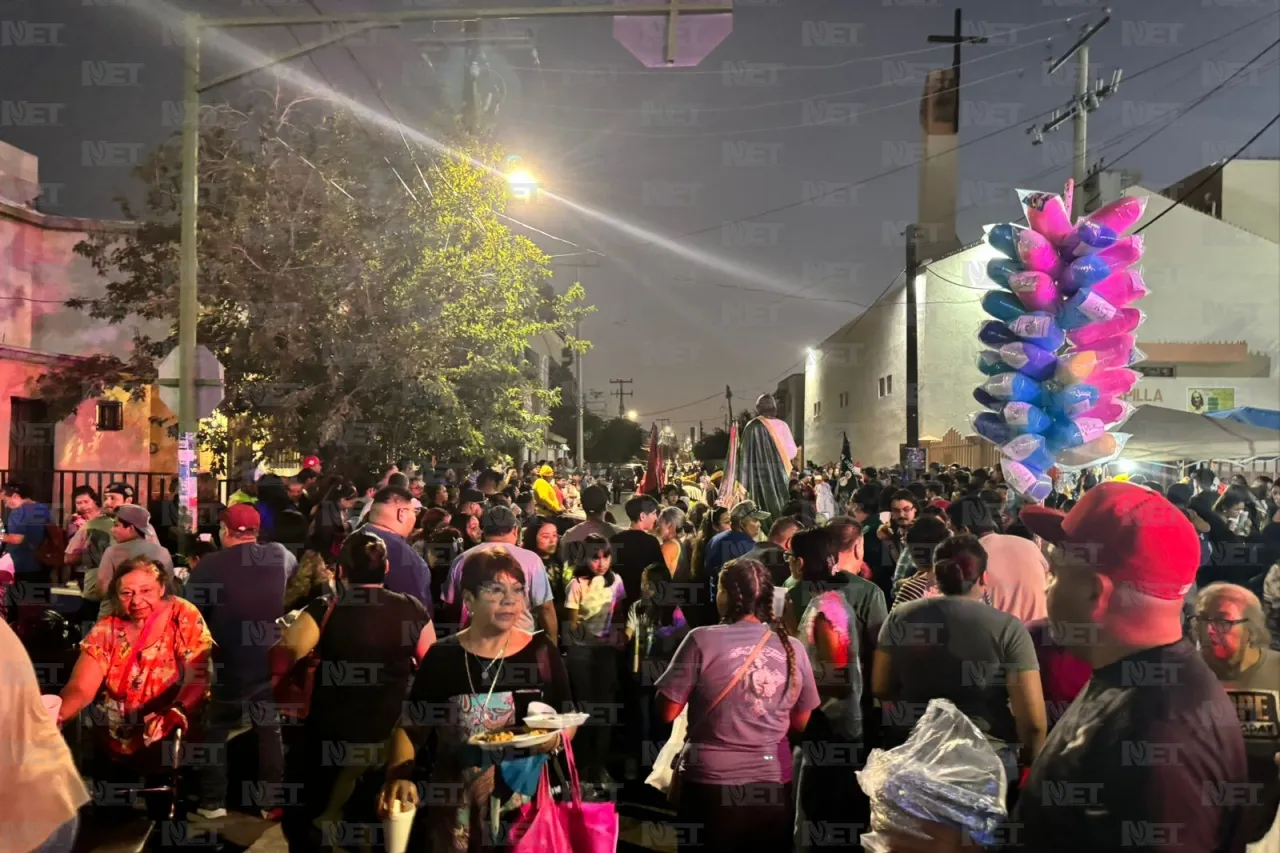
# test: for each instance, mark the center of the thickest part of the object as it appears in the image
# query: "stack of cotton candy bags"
(1062, 341)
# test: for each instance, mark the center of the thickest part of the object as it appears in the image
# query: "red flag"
(654, 474)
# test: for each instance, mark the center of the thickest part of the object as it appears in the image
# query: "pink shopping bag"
(540, 827)
(592, 827)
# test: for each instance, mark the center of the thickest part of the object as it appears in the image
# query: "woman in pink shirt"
(1017, 572)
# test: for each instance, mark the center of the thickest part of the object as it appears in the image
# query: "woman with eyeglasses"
(480, 679)
(1230, 630)
(367, 638)
(145, 668)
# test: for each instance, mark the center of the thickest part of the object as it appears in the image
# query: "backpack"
(52, 552)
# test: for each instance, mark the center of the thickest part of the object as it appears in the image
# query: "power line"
(844, 63)
(789, 101)
(1137, 74)
(1186, 195)
(895, 170)
(837, 121)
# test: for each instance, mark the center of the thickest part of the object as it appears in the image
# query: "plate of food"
(511, 738)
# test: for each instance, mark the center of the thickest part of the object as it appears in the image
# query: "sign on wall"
(1205, 400)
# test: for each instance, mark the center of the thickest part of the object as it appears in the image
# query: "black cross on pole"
(957, 38)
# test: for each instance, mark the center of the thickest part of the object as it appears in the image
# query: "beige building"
(1212, 333)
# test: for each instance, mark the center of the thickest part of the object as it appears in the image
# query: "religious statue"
(765, 453)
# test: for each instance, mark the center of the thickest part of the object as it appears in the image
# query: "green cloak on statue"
(765, 452)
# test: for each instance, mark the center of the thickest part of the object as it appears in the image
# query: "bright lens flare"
(522, 182)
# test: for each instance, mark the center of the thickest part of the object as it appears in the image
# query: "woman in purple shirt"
(747, 684)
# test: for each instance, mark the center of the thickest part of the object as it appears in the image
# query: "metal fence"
(55, 487)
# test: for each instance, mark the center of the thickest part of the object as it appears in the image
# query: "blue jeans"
(62, 839)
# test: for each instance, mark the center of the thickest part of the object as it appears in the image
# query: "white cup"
(397, 825)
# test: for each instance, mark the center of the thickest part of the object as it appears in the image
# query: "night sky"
(756, 126)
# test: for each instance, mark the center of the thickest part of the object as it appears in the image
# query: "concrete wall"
(77, 443)
(852, 361)
(1249, 191)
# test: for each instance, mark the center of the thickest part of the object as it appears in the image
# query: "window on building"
(844, 399)
(886, 385)
(817, 407)
(881, 386)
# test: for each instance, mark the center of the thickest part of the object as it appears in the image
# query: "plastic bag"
(945, 773)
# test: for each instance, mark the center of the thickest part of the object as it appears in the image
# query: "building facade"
(39, 271)
(789, 396)
(1211, 336)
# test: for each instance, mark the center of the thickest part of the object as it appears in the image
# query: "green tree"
(564, 421)
(360, 290)
(712, 446)
(618, 440)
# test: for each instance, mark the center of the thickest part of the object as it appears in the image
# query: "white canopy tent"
(1168, 435)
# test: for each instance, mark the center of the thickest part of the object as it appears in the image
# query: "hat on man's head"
(134, 516)
(1128, 533)
(312, 462)
(123, 489)
(546, 471)
(498, 520)
(747, 509)
(242, 518)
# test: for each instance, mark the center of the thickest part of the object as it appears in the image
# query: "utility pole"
(912, 270)
(728, 404)
(194, 28)
(582, 397)
(1088, 97)
(620, 394)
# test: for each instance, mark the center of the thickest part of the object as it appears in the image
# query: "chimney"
(19, 176)
(940, 121)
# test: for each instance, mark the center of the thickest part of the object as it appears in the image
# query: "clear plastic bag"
(946, 772)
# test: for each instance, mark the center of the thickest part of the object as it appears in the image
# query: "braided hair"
(749, 591)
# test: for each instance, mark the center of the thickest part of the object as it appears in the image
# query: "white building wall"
(852, 361)
(1249, 192)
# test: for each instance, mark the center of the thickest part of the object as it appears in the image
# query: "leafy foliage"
(712, 446)
(360, 291)
(619, 440)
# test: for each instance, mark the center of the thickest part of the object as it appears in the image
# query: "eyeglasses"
(500, 591)
(1219, 624)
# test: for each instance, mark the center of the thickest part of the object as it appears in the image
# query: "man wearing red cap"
(240, 593)
(1150, 754)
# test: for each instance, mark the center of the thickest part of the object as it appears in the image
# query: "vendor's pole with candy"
(1063, 338)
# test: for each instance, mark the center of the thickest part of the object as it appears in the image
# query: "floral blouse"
(140, 682)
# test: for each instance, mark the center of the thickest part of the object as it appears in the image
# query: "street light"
(523, 183)
(633, 415)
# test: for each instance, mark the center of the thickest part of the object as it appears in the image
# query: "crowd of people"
(1088, 641)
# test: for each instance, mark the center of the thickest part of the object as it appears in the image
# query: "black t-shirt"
(366, 654)
(534, 674)
(1148, 757)
(633, 552)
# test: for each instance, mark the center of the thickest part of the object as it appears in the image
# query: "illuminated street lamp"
(524, 186)
(633, 415)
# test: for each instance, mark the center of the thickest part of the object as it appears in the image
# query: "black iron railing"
(56, 487)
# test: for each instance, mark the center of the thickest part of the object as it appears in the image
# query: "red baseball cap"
(1129, 533)
(241, 518)
(312, 462)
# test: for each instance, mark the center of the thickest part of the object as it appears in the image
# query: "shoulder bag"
(293, 690)
(673, 792)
